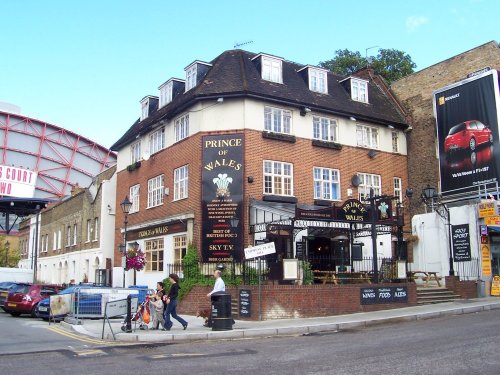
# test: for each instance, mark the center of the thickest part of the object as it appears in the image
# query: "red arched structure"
(63, 159)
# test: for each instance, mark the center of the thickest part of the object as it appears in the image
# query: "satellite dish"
(355, 180)
(146, 155)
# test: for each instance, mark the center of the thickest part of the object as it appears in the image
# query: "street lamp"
(126, 205)
(429, 194)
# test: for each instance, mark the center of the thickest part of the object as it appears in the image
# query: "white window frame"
(156, 191)
(181, 127)
(359, 90)
(191, 72)
(395, 141)
(144, 109)
(369, 180)
(325, 129)
(75, 233)
(54, 243)
(398, 188)
(46, 243)
(135, 152)
(96, 229)
(272, 69)
(278, 178)
(318, 81)
(181, 182)
(42, 245)
(59, 239)
(166, 93)
(154, 250)
(89, 230)
(134, 192)
(367, 136)
(277, 120)
(326, 183)
(179, 248)
(157, 140)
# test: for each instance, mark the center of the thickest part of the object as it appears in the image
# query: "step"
(435, 295)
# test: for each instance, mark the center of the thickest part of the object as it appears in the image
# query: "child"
(157, 302)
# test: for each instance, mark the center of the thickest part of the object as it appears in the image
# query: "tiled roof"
(234, 74)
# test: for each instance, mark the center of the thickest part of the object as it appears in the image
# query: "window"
(156, 191)
(75, 233)
(157, 140)
(89, 230)
(135, 152)
(59, 239)
(180, 248)
(134, 198)
(398, 190)
(191, 77)
(144, 109)
(278, 178)
(277, 120)
(154, 250)
(43, 244)
(369, 181)
(318, 80)
(395, 142)
(166, 93)
(96, 229)
(359, 90)
(68, 236)
(367, 136)
(325, 129)
(181, 179)
(181, 128)
(326, 183)
(271, 69)
(46, 243)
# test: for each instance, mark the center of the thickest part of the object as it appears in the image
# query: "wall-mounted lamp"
(409, 193)
(305, 111)
(352, 118)
(390, 126)
(250, 179)
(372, 153)
(220, 100)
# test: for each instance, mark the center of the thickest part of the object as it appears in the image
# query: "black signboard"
(222, 198)
(460, 238)
(353, 210)
(371, 296)
(300, 247)
(467, 125)
(245, 303)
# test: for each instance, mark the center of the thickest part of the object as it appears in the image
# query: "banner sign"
(371, 296)
(468, 137)
(222, 197)
(17, 182)
(488, 208)
(486, 259)
(460, 237)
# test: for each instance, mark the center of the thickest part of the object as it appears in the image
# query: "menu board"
(370, 296)
(245, 303)
(461, 242)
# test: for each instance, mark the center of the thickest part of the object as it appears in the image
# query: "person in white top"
(219, 284)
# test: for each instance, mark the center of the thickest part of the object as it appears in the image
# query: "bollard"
(128, 328)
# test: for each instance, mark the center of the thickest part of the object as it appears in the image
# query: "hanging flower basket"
(135, 260)
(412, 238)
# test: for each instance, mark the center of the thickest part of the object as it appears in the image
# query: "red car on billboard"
(467, 135)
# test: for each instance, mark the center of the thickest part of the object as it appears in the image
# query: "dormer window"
(195, 73)
(144, 109)
(149, 104)
(166, 93)
(318, 81)
(359, 90)
(191, 77)
(271, 68)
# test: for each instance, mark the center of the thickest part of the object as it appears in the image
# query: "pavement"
(111, 330)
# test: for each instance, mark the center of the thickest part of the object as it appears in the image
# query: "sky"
(84, 65)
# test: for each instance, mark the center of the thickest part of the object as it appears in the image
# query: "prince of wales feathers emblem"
(222, 181)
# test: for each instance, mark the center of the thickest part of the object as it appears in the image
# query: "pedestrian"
(159, 307)
(171, 304)
(219, 287)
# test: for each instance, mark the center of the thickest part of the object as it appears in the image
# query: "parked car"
(467, 135)
(84, 303)
(5, 287)
(24, 297)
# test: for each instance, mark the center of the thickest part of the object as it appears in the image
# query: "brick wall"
(289, 301)
(465, 289)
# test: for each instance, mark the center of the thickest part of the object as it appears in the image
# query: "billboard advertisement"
(467, 127)
(17, 182)
(222, 198)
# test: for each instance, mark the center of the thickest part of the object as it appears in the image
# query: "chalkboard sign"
(299, 249)
(461, 242)
(370, 296)
(245, 303)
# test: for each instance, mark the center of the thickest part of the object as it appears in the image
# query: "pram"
(142, 316)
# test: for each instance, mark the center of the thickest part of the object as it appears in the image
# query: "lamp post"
(429, 194)
(126, 205)
(7, 247)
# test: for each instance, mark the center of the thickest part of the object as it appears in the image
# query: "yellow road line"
(81, 338)
(90, 352)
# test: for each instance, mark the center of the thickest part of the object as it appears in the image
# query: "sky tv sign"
(467, 117)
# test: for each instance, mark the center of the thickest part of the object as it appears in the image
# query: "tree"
(391, 64)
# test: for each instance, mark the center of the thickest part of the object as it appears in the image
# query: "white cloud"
(414, 22)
